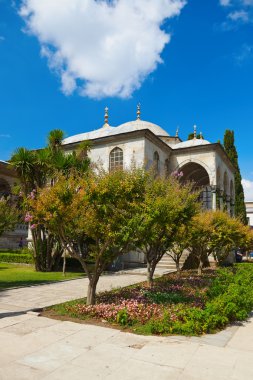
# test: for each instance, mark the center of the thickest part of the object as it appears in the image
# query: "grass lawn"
(191, 305)
(12, 275)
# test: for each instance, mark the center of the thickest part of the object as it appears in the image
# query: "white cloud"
(239, 16)
(248, 189)
(239, 12)
(101, 48)
(225, 3)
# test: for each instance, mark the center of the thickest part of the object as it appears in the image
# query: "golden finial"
(195, 132)
(139, 111)
(106, 117)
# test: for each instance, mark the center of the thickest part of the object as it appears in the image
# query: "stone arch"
(200, 163)
(232, 190)
(5, 188)
(198, 175)
(218, 178)
(193, 172)
(225, 183)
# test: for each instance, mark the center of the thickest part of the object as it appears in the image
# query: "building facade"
(249, 211)
(143, 144)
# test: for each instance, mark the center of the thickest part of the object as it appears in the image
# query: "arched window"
(156, 163)
(116, 159)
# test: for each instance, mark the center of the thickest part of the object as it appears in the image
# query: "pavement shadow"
(12, 314)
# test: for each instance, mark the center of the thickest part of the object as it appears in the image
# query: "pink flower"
(177, 174)
(28, 217)
(33, 226)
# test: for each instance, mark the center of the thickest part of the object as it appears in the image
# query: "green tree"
(92, 216)
(215, 232)
(167, 205)
(198, 136)
(180, 244)
(36, 170)
(9, 215)
(230, 149)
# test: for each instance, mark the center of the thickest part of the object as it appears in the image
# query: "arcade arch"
(198, 175)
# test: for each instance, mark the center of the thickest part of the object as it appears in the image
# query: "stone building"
(249, 211)
(146, 144)
(143, 143)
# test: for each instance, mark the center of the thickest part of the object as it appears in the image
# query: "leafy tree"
(92, 216)
(35, 170)
(230, 148)
(167, 205)
(181, 243)
(9, 215)
(215, 232)
(198, 136)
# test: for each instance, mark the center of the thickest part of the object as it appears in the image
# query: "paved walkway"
(35, 347)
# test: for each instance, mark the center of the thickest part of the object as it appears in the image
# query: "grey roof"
(108, 130)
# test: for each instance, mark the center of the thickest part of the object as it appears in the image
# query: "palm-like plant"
(35, 169)
(54, 139)
(23, 160)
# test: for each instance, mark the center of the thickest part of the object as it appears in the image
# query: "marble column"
(214, 198)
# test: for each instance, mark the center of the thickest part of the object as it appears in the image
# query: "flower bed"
(191, 305)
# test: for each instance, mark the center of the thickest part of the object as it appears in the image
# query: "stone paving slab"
(38, 296)
(36, 348)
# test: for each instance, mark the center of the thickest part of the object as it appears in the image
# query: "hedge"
(18, 258)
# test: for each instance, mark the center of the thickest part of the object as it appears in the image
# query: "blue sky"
(204, 77)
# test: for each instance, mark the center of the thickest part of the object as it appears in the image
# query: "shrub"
(18, 258)
(191, 305)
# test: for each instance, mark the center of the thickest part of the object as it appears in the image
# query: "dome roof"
(191, 143)
(107, 131)
(138, 125)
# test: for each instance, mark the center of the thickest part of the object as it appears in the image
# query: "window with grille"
(116, 159)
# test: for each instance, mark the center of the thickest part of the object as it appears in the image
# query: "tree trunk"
(91, 294)
(150, 273)
(200, 267)
(64, 264)
(178, 267)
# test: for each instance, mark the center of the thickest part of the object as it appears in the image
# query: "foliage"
(199, 304)
(9, 215)
(198, 136)
(19, 275)
(166, 205)
(230, 148)
(181, 242)
(215, 232)
(36, 170)
(21, 258)
(91, 216)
